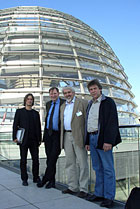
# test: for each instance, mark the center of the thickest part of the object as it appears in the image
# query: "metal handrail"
(129, 126)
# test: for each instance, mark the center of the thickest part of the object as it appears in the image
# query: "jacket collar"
(102, 98)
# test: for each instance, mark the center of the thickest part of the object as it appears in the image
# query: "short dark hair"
(25, 98)
(94, 82)
(53, 88)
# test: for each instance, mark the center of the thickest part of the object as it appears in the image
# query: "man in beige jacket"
(72, 116)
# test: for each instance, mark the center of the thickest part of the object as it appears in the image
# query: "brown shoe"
(68, 191)
(82, 194)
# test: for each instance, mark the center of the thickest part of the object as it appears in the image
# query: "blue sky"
(117, 21)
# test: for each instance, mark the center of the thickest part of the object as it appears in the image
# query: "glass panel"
(4, 18)
(21, 58)
(21, 47)
(86, 64)
(118, 83)
(57, 49)
(105, 91)
(3, 84)
(23, 17)
(122, 76)
(3, 29)
(20, 38)
(46, 18)
(88, 54)
(109, 54)
(53, 30)
(1, 47)
(61, 73)
(55, 40)
(82, 45)
(20, 71)
(25, 23)
(73, 25)
(126, 159)
(83, 37)
(106, 60)
(47, 83)
(52, 25)
(6, 115)
(122, 107)
(4, 24)
(90, 76)
(23, 29)
(21, 83)
(2, 38)
(117, 65)
(126, 118)
(113, 71)
(127, 107)
(58, 60)
(120, 93)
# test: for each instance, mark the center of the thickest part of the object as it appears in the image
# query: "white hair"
(68, 88)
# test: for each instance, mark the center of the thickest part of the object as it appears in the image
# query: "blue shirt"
(55, 115)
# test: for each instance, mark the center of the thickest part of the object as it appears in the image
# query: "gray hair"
(68, 88)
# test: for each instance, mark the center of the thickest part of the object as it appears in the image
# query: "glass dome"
(41, 48)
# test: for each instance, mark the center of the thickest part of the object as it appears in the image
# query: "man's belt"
(68, 130)
(93, 133)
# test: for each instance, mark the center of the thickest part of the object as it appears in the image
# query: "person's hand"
(15, 140)
(107, 147)
(87, 147)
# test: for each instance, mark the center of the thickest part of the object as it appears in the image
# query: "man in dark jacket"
(102, 134)
(28, 119)
(51, 137)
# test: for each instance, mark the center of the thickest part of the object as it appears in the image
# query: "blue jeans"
(103, 165)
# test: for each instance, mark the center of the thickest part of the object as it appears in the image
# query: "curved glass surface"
(41, 48)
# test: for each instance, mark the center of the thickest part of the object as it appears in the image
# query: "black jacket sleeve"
(15, 124)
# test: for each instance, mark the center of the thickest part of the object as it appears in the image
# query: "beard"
(69, 100)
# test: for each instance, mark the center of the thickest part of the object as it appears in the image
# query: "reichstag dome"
(41, 48)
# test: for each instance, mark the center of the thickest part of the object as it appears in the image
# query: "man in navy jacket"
(28, 119)
(102, 133)
(51, 137)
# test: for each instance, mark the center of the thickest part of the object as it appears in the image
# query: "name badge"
(79, 113)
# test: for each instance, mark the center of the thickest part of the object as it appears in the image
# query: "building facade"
(41, 48)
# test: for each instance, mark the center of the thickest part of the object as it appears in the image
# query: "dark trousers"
(34, 150)
(52, 149)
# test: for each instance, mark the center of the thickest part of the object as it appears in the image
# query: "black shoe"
(50, 184)
(40, 184)
(36, 180)
(107, 203)
(82, 194)
(94, 198)
(25, 183)
(68, 191)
